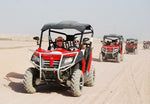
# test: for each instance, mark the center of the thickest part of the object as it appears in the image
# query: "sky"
(130, 18)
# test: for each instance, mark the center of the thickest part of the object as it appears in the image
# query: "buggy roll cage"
(52, 27)
(132, 40)
(119, 37)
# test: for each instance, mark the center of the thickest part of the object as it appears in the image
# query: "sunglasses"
(59, 41)
(76, 41)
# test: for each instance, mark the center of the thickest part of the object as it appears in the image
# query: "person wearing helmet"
(116, 43)
(59, 42)
(76, 42)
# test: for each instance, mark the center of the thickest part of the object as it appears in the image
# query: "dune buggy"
(112, 48)
(146, 44)
(131, 46)
(69, 66)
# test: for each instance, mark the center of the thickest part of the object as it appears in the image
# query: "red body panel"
(111, 47)
(54, 57)
(89, 64)
(131, 45)
(83, 66)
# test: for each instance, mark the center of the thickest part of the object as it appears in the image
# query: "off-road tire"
(29, 80)
(135, 51)
(118, 57)
(100, 57)
(77, 82)
(125, 52)
(91, 77)
(121, 57)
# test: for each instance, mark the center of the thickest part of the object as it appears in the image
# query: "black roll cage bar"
(119, 37)
(81, 33)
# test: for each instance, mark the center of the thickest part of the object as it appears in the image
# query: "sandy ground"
(127, 82)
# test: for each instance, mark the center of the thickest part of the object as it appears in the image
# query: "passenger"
(107, 43)
(77, 42)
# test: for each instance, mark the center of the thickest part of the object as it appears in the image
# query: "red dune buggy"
(69, 66)
(112, 48)
(131, 46)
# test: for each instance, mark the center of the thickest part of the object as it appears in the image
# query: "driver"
(59, 42)
(116, 43)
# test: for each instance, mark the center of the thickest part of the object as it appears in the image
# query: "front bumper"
(44, 65)
(130, 49)
(109, 55)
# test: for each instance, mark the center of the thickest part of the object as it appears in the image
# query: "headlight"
(36, 59)
(115, 50)
(103, 49)
(66, 61)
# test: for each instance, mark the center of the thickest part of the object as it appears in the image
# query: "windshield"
(110, 41)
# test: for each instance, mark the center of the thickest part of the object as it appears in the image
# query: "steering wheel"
(84, 40)
(72, 48)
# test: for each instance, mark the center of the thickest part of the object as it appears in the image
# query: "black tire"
(121, 57)
(125, 52)
(100, 57)
(118, 58)
(135, 51)
(91, 77)
(77, 82)
(29, 80)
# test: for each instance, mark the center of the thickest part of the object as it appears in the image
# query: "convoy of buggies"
(67, 62)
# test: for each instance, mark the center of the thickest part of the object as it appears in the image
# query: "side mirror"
(102, 42)
(37, 39)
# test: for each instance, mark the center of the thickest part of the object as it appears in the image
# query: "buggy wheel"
(77, 82)
(100, 57)
(125, 52)
(121, 57)
(118, 57)
(91, 77)
(30, 80)
(135, 52)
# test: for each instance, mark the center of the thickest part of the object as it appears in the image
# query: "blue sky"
(130, 18)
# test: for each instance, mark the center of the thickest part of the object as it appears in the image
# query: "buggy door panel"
(88, 58)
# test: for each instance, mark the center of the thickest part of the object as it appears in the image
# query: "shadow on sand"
(44, 88)
(16, 86)
(95, 59)
(108, 60)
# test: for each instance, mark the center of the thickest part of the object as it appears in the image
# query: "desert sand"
(127, 82)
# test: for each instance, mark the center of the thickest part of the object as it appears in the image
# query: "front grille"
(46, 64)
(50, 75)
